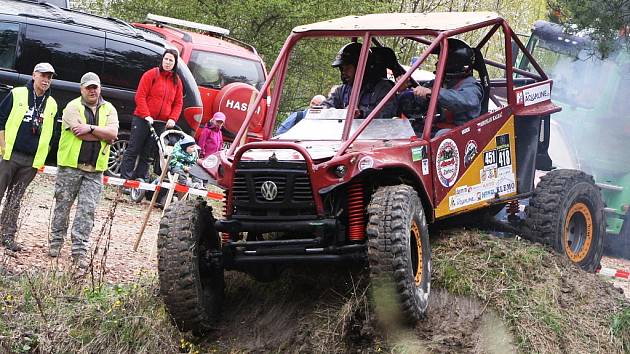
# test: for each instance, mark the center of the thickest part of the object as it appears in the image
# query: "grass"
(57, 313)
(550, 305)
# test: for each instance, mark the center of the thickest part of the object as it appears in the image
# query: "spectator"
(89, 124)
(296, 117)
(373, 89)
(158, 97)
(27, 116)
(183, 156)
(211, 137)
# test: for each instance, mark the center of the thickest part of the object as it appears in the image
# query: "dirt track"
(121, 263)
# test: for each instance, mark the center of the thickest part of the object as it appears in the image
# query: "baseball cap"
(219, 116)
(44, 68)
(90, 78)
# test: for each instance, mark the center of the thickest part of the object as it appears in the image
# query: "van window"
(217, 70)
(125, 63)
(72, 54)
(8, 43)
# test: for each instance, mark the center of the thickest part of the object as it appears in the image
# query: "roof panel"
(435, 21)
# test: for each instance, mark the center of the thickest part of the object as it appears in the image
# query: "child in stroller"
(185, 155)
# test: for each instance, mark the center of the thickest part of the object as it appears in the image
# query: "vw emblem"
(269, 190)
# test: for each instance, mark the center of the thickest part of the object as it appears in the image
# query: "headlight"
(340, 171)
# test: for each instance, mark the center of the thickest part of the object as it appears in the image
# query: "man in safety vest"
(27, 116)
(89, 125)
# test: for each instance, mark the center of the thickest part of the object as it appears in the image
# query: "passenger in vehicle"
(375, 84)
(159, 97)
(295, 117)
(27, 116)
(461, 95)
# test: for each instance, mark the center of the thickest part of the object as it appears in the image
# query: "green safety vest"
(70, 145)
(19, 109)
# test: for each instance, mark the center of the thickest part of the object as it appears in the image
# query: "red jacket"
(158, 97)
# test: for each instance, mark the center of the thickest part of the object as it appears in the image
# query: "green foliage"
(602, 19)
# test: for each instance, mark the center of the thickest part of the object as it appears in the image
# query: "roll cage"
(410, 26)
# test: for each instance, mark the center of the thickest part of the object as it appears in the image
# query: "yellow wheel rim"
(416, 243)
(578, 232)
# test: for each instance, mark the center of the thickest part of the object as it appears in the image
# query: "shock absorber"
(356, 212)
(513, 210)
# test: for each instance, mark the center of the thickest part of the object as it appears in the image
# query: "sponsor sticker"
(425, 167)
(536, 94)
(418, 153)
(447, 162)
(470, 152)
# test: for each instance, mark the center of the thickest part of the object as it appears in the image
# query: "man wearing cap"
(295, 117)
(27, 116)
(89, 124)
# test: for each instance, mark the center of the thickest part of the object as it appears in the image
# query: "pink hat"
(219, 116)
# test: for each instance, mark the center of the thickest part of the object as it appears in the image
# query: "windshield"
(215, 70)
(327, 124)
(576, 73)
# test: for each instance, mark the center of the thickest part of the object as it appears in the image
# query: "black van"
(76, 42)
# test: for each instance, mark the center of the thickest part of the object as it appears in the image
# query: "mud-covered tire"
(189, 266)
(566, 211)
(399, 253)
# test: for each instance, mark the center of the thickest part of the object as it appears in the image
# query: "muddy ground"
(330, 312)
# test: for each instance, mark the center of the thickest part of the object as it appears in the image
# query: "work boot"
(54, 249)
(11, 245)
(81, 262)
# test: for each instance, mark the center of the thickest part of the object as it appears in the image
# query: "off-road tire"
(189, 265)
(566, 211)
(399, 253)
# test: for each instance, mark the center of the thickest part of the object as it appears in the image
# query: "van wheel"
(116, 153)
(399, 254)
(566, 211)
(190, 266)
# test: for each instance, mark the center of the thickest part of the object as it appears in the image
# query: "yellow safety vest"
(70, 145)
(19, 109)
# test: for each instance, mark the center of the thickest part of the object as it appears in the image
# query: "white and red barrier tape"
(615, 273)
(113, 181)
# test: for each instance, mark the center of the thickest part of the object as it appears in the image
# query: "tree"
(604, 20)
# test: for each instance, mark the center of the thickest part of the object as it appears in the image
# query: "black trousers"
(142, 147)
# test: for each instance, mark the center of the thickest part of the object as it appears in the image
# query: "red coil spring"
(356, 212)
(513, 208)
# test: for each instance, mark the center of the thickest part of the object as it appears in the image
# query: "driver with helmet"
(460, 95)
(374, 87)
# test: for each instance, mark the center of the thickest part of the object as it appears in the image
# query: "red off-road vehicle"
(338, 189)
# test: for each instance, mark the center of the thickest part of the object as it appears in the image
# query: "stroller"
(166, 143)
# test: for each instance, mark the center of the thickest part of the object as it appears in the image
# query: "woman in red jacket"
(159, 97)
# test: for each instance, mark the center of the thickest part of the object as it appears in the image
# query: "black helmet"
(348, 54)
(461, 57)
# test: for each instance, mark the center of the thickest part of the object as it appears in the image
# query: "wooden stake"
(153, 199)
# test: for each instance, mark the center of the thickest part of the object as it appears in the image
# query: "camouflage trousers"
(86, 187)
(14, 178)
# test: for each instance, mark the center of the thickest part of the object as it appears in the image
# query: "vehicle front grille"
(293, 197)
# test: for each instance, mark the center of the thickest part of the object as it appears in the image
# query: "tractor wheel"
(399, 253)
(189, 265)
(566, 211)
